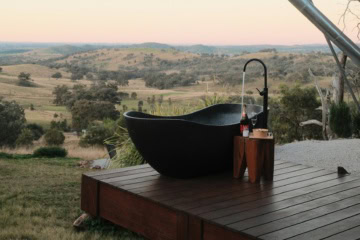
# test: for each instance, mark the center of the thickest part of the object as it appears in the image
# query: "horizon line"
(170, 44)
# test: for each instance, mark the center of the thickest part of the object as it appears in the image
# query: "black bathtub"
(190, 145)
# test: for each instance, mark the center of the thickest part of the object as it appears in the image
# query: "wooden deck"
(301, 203)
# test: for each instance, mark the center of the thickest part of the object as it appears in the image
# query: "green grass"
(40, 199)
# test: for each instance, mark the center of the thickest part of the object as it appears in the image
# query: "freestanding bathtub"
(190, 145)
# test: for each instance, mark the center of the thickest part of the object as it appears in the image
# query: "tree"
(12, 121)
(1, 69)
(36, 130)
(76, 76)
(294, 106)
(84, 112)
(62, 94)
(24, 76)
(57, 75)
(24, 79)
(350, 10)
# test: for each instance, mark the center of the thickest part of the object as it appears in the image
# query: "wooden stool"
(256, 154)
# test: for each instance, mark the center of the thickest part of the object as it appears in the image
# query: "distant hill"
(20, 53)
(70, 49)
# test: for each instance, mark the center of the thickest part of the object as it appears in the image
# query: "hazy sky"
(235, 22)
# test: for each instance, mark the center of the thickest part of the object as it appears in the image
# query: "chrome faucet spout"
(264, 92)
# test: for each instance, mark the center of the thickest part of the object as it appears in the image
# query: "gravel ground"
(323, 154)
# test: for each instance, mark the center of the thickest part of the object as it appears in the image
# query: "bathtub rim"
(150, 117)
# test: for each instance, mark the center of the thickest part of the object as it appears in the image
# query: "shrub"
(25, 138)
(15, 156)
(50, 152)
(340, 120)
(60, 125)
(36, 130)
(96, 133)
(54, 137)
(356, 124)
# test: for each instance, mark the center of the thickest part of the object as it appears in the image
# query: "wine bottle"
(244, 123)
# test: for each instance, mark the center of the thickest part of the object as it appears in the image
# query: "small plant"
(32, 108)
(25, 138)
(50, 152)
(340, 120)
(54, 137)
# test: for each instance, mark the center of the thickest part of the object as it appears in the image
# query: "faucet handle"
(260, 92)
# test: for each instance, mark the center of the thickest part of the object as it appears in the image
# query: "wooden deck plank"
(209, 198)
(122, 175)
(182, 185)
(310, 220)
(222, 196)
(164, 194)
(291, 206)
(330, 229)
(351, 234)
(130, 176)
(229, 207)
(117, 170)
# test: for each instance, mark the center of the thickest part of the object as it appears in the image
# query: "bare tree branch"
(349, 11)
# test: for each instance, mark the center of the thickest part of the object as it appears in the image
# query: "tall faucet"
(264, 92)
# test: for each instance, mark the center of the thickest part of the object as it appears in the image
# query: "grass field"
(71, 144)
(40, 199)
(41, 96)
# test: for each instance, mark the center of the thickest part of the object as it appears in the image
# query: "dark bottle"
(244, 123)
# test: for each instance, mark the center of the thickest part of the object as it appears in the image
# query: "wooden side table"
(256, 154)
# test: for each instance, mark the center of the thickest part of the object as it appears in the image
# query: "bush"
(54, 137)
(97, 133)
(340, 120)
(50, 152)
(25, 138)
(36, 130)
(356, 124)
(15, 156)
(60, 125)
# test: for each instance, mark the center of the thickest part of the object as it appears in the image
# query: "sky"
(212, 22)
